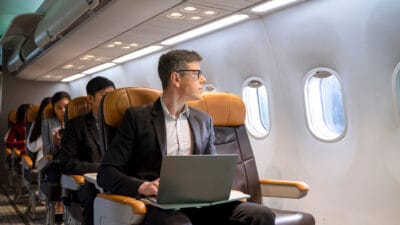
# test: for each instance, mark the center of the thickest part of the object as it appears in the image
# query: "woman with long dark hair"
(34, 142)
(51, 127)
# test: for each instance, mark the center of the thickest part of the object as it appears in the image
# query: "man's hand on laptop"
(149, 188)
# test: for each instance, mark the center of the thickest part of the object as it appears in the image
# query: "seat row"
(228, 114)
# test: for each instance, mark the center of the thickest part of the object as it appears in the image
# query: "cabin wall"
(15, 92)
(354, 180)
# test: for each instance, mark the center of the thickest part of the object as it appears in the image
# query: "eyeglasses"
(198, 73)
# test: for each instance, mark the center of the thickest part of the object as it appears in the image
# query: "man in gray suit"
(131, 165)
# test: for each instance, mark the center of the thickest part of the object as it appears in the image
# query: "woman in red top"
(16, 136)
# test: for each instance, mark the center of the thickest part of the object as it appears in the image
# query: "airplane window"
(209, 88)
(324, 104)
(255, 98)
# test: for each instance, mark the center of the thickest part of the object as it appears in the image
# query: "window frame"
(396, 92)
(250, 130)
(314, 132)
(212, 86)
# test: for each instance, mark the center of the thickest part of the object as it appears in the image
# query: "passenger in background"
(34, 142)
(51, 134)
(16, 136)
(131, 166)
(80, 149)
(52, 127)
(52, 131)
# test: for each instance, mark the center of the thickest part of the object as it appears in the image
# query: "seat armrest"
(72, 182)
(283, 188)
(92, 178)
(16, 153)
(26, 162)
(118, 209)
(45, 162)
(8, 151)
(138, 207)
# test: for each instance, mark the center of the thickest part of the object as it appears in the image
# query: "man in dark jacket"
(131, 165)
(80, 148)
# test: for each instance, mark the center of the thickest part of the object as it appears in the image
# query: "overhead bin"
(14, 62)
(59, 17)
(19, 30)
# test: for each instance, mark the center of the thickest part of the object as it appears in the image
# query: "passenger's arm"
(113, 180)
(36, 145)
(70, 145)
(112, 175)
(210, 148)
(47, 136)
(12, 141)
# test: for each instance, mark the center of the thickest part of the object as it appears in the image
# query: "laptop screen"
(196, 178)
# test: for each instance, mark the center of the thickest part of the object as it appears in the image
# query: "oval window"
(209, 88)
(255, 98)
(324, 104)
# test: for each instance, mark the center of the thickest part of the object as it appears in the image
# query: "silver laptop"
(195, 180)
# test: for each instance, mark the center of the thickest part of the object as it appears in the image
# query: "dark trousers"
(233, 213)
(86, 196)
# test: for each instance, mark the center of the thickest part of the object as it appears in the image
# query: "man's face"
(191, 81)
(94, 101)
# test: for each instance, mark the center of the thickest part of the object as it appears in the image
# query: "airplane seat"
(70, 183)
(228, 113)
(112, 109)
(111, 208)
(50, 190)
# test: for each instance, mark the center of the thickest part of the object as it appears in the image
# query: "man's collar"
(166, 111)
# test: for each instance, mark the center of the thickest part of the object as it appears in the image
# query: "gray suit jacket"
(48, 127)
(136, 151)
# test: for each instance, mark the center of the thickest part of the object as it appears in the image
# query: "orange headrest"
(31, 113)
(77, 107)
(226, 109)
(116, 102)
(12, 116)
(48, 111)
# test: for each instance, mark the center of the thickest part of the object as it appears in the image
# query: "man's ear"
(90, 99)
(175, 78)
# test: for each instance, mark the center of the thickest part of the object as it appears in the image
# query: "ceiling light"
(126, 47)
(137, 54)
(134, 45)
(175, 15)
(109, 46)
(73, 77)
(190, 9)
(271, 5)
(117, 43)
(209, 12)
(99, 68)
(196, 18)
(205, 29)
(68, 66)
